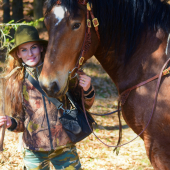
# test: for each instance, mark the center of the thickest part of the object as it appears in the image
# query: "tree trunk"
(6, 10)
(17, 10)
(38, 12)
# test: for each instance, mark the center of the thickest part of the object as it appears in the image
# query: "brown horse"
(133, 39)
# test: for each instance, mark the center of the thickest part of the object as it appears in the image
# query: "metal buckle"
(81, 61)
(88, 7)
(67, 111)
(165, 72)
(88, 23)
(61, 107)
(74, 76)
(95, 22)
(69, 73)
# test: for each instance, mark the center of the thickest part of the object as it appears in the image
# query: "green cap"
(24, 34)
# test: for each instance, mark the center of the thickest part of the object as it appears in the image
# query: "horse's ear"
(58, 2)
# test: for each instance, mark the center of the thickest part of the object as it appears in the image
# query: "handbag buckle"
(67, 111)
(61, 107)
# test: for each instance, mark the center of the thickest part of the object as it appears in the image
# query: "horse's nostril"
(54, 87)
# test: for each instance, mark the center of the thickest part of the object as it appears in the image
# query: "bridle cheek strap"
(87, 38)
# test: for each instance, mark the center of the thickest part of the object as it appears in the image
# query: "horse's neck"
(146, 62)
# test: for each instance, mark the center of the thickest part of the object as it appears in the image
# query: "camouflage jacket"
(37, 133)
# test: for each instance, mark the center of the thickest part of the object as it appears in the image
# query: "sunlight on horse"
(131, 50)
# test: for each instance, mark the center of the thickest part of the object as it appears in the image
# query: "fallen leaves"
(93, 154)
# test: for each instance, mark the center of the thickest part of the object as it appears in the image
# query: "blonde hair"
(13, 92)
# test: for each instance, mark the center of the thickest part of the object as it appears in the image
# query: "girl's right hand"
(6, 119)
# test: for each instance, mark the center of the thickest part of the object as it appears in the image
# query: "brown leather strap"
(104, 114)
(120, 126)
(95, 23)
(153, 109)
(87, 38)
(81, 56)
(124, 95)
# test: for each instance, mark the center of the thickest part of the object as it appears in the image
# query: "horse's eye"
(76, 26)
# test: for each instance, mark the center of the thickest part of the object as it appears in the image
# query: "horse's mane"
(125, 20)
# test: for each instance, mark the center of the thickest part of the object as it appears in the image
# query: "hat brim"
(40, 40)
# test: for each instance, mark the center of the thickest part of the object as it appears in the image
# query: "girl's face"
(30, 53)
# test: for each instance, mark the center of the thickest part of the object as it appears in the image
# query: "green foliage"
(6, 40)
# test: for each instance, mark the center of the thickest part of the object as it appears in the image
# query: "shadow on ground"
(109, 127)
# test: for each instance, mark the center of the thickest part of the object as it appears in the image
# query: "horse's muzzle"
(52, 89)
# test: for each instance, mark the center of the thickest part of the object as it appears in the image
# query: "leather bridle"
(87, 37)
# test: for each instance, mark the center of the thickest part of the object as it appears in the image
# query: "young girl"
(44, 139)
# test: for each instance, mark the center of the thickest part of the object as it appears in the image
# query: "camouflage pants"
(63, 159)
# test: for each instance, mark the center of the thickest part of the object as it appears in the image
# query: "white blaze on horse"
(131, 49)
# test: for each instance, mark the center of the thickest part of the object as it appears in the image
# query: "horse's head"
(66, 28)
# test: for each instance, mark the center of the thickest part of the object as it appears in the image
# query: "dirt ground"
(93, 154)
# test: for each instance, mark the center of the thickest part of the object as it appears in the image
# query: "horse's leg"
(157, 134)
(157, 152)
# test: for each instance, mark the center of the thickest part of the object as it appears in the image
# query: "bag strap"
(35, 83)
(72, 101)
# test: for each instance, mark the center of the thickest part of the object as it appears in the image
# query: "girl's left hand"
(84, 82)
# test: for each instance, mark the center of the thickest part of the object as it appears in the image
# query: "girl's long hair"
(13, 92)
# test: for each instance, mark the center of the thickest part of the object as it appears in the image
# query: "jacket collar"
(34, 71)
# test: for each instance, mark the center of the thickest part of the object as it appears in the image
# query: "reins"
(124, 95)
(85, 47)
(159, 76)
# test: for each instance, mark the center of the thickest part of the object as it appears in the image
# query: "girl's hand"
(84, 82)
(6, 119)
